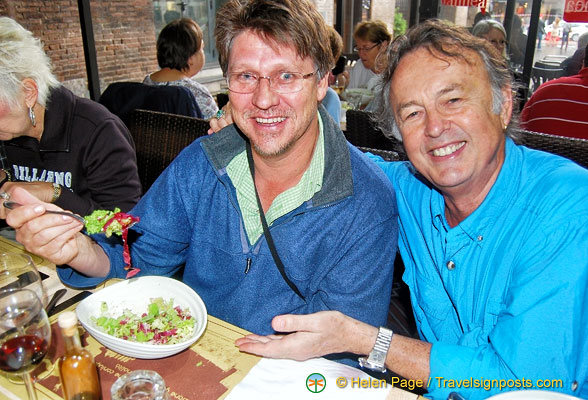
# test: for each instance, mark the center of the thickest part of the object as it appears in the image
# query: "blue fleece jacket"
(338, 247)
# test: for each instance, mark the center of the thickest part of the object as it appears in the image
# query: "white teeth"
(269, 120)
(445, 151)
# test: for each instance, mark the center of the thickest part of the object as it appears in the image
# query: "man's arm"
(328, 332)
(55, 237)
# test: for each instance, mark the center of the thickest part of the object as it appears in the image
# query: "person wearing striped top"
(560, 106)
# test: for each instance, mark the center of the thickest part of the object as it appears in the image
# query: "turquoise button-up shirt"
(503, 295)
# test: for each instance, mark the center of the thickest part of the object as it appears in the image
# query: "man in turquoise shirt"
(493, 237)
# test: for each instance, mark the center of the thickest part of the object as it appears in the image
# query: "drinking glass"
(25, 334)
(139, 385)
(18, 271)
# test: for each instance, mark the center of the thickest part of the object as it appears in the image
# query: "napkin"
(288, 379)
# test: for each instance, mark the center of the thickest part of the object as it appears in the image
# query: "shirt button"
(480, 238)
(450, 265)
(574, 386)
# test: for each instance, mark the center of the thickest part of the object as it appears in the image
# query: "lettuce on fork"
(117, 223)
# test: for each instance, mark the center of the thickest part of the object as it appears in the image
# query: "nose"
(436, 123)
(264, 96)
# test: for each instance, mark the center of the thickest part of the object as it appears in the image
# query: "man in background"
(560, 106)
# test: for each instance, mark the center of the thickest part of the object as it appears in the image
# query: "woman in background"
(62, 148)
(492, 31)
(371, 40)
(180, 55)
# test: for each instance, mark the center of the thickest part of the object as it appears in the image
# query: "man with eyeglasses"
(371, 39)
(331, 214)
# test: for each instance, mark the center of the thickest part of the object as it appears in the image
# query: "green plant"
(400, 23)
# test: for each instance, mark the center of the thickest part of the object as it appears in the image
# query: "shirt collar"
(497, 200)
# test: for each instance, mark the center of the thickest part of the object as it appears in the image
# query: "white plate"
(135, 294)
(533, 395)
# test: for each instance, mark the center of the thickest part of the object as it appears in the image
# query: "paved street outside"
(555, 50)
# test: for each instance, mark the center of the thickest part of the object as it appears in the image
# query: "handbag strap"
(266, 232)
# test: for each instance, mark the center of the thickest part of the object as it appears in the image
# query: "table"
(210, 369)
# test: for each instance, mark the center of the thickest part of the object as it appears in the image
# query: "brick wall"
(124, 34)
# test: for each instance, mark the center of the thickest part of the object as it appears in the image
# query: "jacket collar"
(58, 115)
(337, 179)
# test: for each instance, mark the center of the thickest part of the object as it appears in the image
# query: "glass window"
(201, 11)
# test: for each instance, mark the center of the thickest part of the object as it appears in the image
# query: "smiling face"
(443, 108)
(274, 123)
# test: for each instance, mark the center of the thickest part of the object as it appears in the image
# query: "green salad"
(117, 223)
(161, 324)
(108, 222)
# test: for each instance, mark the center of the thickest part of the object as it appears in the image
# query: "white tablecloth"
(287, 379)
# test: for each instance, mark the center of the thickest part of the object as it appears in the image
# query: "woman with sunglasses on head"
(371, 39)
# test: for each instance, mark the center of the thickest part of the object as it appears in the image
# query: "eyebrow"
(443, 91)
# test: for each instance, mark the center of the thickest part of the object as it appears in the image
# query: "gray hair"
(583, 40)
(485, 26)
(22, 56)
(441, 40)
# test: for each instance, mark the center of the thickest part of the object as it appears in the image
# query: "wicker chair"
(571, 148)
(388, 155)
(362, 132)
(159, 138)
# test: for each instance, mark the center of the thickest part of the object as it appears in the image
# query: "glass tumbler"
(139, 385)
(18, 271)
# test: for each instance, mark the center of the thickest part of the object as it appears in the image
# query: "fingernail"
(38, 209)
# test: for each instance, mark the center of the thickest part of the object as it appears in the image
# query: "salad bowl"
(135, 295)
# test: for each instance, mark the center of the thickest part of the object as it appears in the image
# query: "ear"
(507, 104)
(322, 86)
(31, 91)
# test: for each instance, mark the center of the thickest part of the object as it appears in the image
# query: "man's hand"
(312, 335)
(216, 124)
(54, 237)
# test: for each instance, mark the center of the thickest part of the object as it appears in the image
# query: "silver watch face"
(366, 363)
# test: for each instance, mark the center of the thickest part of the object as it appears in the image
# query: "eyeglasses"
(281, 82)
(364, 49)
(501, 43)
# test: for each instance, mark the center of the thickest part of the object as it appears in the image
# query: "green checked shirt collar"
(310, 183)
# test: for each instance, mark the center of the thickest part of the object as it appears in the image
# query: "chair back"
(540, 75)
(159, 138)
(571, 148)
(121, 98)
(362, 132)
(387, 155)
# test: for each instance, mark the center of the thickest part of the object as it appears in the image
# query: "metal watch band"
(377, 357)
(56, 192)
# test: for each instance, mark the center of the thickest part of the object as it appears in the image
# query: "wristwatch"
(377, 357)
(56, 192)
(7, 177)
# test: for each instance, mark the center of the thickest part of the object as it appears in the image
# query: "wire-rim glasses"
(358, 49)
(283, 82)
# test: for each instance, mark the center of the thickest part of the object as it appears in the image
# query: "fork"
(12, 205)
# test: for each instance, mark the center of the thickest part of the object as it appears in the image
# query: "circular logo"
(316, 383)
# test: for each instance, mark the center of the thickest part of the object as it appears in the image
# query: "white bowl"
(135, 294)
(533, 395)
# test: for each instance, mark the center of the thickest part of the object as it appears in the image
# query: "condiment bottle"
(77, 369)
